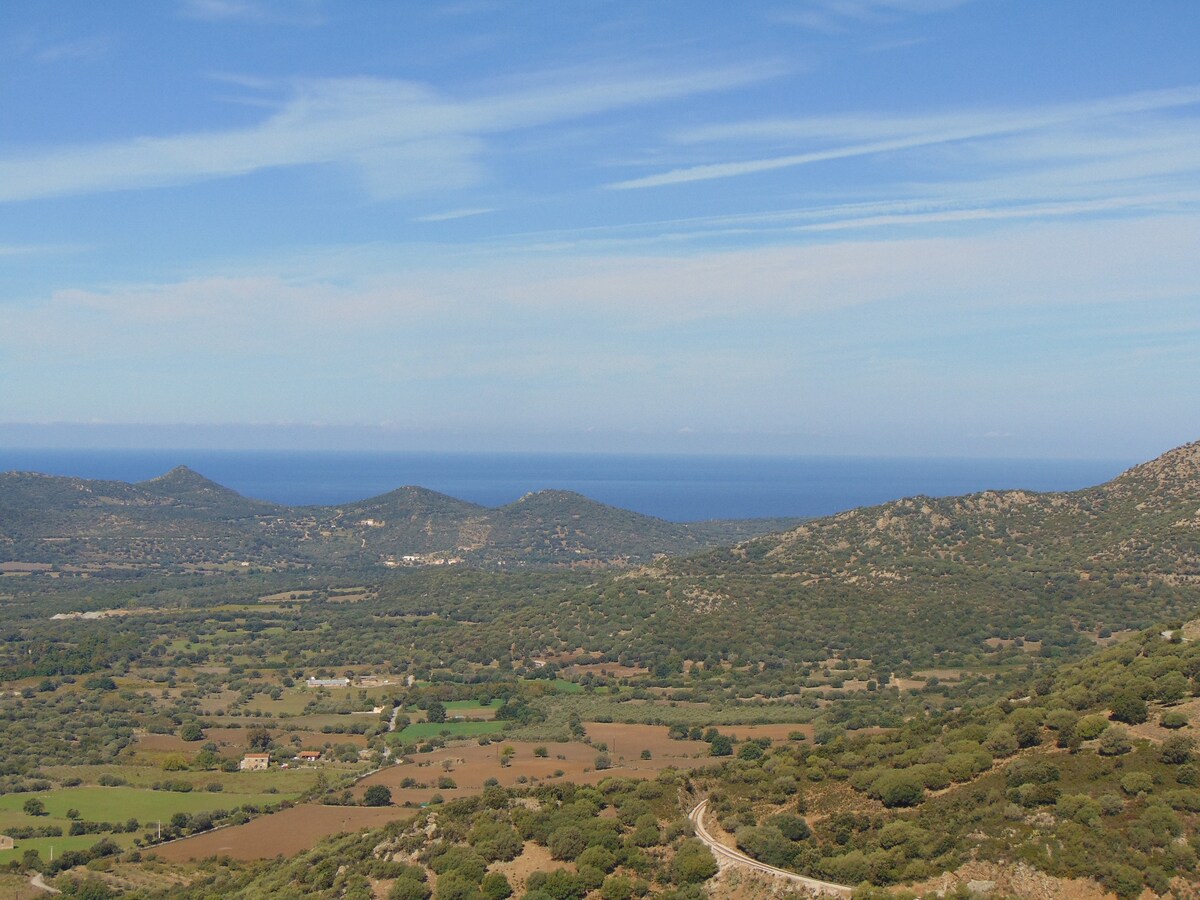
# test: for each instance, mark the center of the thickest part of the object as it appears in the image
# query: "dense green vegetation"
(960, 681)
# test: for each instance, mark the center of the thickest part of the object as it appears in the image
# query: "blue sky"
(875, 227)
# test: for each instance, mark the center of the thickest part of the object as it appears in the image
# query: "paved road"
(728, 856)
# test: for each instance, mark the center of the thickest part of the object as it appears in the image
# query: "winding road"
(727, 856)
(37, 883)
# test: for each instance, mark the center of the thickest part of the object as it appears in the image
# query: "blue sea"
(679, 488)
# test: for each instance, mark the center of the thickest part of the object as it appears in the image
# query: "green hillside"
(183, 522)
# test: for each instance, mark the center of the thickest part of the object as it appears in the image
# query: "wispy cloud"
(654, 340)
(400, 137)
(36, 249)
(88, 48)
(293, 12)
(890, 134)
(455, 214)
(839, 15)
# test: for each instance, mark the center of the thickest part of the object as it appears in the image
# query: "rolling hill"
(183, 520)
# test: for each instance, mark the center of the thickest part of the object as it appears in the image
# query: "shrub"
(377, 795)
(1173, 719)
(1137, 783)
(566, 843)
(1002, 741)
(1176, 750)
(495, 886)
(1115, 742)
(1078, 808)
(899, 788)
(1130, 709)
(693, 863)
(1091, 727)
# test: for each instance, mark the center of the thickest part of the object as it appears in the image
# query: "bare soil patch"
(630, 740)
(775, 731)
(287, 832)
(470, 765)
(534, 858)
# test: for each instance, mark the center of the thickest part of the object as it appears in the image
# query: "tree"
(566, 842)
(496, 887)
(1130, 709)
(377, 795)
(720, 745)
(693, 863)
(897, 788)
(1115, 742)
(191, 732)
(409, 887)
(455, 885)
(1176, 750)
(34, 807)
(436, 712)
(258, 740)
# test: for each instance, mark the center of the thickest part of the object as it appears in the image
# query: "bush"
(1176, 750)
(1115, 742)
(495, 887)
(1137, 783)
(1130, 709)
(1173, 719)
(693, 863)
(1002, 741)
(566, 843)
(456, 886)
(899, 788)
(1091, 727)
(377, 795)
(558, 884)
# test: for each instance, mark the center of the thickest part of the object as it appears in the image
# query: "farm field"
(472, 709)
(287, 832)
(117, 804)
(419, 730)
(108, 804)
(278, 784)
(234, 741)
(471, 765)
(776, 731)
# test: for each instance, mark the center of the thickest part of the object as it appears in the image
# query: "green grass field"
(46, 847)
(566, 687)
(419, 730)
(112, 804)
(471, 704)
(237, 786)
(117, 804)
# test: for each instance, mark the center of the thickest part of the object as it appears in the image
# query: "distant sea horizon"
(679, 488)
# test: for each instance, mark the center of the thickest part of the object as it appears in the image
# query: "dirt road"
(727, 856)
